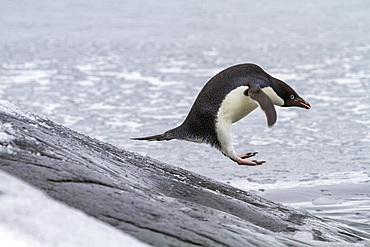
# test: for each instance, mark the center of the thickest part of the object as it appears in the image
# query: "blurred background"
(119, 69)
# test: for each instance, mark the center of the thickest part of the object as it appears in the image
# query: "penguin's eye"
(292, 96)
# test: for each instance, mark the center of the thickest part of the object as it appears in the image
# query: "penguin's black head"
(288, 95)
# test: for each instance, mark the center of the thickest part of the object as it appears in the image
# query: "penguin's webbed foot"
(250, 162)
(241, 160)
(247, 155)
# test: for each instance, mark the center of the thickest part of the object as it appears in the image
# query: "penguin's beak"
(302, 103)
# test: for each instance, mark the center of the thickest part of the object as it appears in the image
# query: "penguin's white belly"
(235, 106)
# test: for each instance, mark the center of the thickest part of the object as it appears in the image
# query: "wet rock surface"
(157, 203)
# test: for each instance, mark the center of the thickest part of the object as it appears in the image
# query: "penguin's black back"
(200, 124)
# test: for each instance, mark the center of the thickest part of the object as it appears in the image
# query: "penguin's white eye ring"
(292, 96)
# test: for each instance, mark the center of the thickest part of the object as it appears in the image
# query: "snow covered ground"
(30, 218)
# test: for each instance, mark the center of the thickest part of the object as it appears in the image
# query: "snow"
(28, 217)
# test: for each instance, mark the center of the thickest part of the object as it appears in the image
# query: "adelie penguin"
(226, 98)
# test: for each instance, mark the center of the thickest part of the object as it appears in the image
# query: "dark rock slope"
(157, 203)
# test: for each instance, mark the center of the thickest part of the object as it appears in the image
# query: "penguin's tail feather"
(166, 136)
(161, 137)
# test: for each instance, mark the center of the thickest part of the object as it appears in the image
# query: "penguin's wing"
(264, 102)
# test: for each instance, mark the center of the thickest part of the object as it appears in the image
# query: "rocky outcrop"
(157, 203)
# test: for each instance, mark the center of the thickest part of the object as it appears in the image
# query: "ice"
(30, 218)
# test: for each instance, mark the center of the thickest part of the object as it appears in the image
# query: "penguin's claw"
(247, 155)
(259, 162)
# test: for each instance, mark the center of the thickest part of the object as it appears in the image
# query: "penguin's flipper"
(264, 102)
